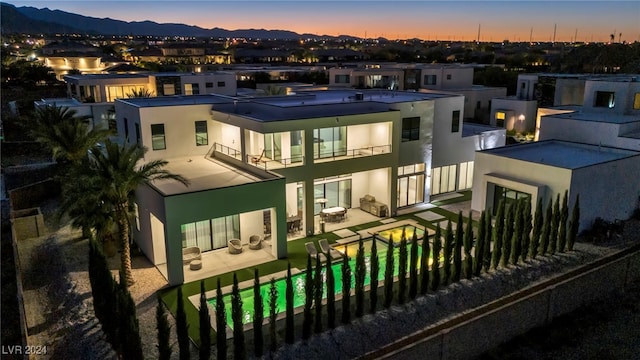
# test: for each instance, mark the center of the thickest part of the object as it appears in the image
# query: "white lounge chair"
(328, 250)
(255, 242)
(190, 253)
(311, 249)
(235, 246)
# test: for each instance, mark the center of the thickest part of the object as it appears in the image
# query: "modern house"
(450, 78)
(289, 159)
(592, 150)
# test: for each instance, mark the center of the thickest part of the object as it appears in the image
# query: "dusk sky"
(443, 20)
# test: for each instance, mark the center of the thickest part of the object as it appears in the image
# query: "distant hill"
(28, 19)
(12, 21)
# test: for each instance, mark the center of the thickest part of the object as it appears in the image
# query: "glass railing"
(352, 153)
(223, 149)
(265, 163)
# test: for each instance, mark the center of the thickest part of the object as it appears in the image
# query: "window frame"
(158, 135)
(455, 121)
(199, 138)
(409, 128)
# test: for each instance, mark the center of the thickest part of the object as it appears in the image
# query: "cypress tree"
(402, 271)
(468, 246)
(130, 342)
(239, 351)
(289, 334)
(435, 265)
(104, 290)
(516, 238)
(307, 319)
(526, 229)
(258, 315)
(498, 235)
(346, 290)
(318, 290)
(448, 252)
(574, 225)
(545, 237)
(508, 234)
(331, 295)
(388, 275)
(164, 329)
(538, 220)
(477, 251)
(457, 250)
(273, 313)
(486, 246)
(424, 264)
(375, 273)
(360, 274)
(221, 325)
(555, 223)
(564, 217)
(205, 325)
(182, 328)
(413, 265)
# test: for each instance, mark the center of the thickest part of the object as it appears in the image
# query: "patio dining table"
(334, 213)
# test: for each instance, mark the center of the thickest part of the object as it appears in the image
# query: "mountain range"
(27, 19)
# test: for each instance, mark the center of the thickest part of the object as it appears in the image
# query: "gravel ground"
(59, 290)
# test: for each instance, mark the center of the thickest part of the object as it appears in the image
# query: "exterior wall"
(202, 79)
(179, 128)
(150, 204)
(515, 109)
(569, 92)
(448, 146)
(624, 95)
(590, 132)
(610, 190)
(485, 96)
(526, 87)
(461, 77)
(551, 180)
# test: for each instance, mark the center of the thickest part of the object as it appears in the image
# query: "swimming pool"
(298, 281)
(396, 234)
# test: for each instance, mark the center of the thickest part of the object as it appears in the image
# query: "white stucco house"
(290, 157)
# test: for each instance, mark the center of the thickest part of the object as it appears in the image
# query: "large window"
(337, 193)
(410, 128)
(507, 195)
(157, 137)
(455, 121)
(211, 234)
(443, 179)
(329, 142)
(202, 136)
(605, 99)
(342, 79)
(465, 178)
(191, 89)
(636, 101)
(411, 184)
(123, 91)
(500, 116)
(430, 79)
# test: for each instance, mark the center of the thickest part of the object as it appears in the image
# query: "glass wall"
(507, 195)
(123, 91)
(329, 142)
(411, 184)
(336, 192)
(211, 234)
(443, 179)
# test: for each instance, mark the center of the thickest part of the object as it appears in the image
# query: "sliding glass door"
(211, 234)
(337, 193)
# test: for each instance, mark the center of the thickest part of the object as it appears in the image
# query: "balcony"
(265, 163)
(366, 151)
(236, 154)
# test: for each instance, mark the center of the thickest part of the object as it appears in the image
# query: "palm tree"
(65, 133)
(140, 93)
(116, 168)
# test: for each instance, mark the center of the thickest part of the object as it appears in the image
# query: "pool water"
(397, 233)
(298, 281)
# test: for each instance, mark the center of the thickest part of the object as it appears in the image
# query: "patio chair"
(235, 246)
(255, 242)
(190, 253)
(328, 250)
(311, 249)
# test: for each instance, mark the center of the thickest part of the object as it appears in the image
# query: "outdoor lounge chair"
(328, 250)
(190, 253)
(311, 249)
(235, 246)
(255, 242)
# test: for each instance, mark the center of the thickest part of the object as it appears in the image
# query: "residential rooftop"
(202, 174)
(105, 76)
(472, 129)
(596, 116)
(562, 154)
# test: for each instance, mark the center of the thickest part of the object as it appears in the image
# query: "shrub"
(318, 285)
(273, 313)
(182, 328)
(164, 329)
(526, 229)
(221, 325)
(545, 237)
(402, 271)
(346, 290)
(239, 351)
(413, 265)
(361, 269)
(508, 234)
(289, 334)
(468, 245)
(435, 265)
(307, 319)
(516, 238)
(486, 245)
(448, 252)
(477, 253)
(574, 225)
(375, 271)
(538, 220)
(258, 316)
(498, 235)
(457, 250)
(388, 275)
(555, 223)
(424, 264)
(564, 217)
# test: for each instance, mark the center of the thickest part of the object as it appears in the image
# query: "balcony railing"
(269, 164)
(352, 153)
(223, 149)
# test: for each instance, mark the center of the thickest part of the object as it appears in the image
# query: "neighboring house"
(338, 145)
(452, 78)
(592, 150)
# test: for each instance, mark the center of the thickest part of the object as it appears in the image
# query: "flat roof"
(177, 100)
(598, 117)
(562, 154)
(107, 76)
(471, 129)
(202, 174)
